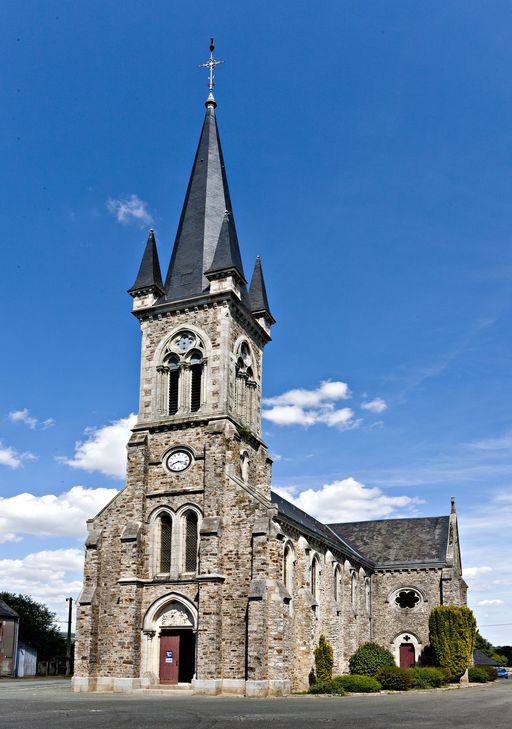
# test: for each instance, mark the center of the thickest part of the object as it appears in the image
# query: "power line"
(493, 625)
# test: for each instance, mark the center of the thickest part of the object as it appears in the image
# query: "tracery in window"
(245, 386)
(181, 375)
(190, 541)
(407, 599)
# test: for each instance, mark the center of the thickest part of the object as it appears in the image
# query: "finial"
(210, 64)
(453, 504)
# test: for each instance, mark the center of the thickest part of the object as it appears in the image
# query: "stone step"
(172, 689)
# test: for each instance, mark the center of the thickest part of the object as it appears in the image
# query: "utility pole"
(68, 640)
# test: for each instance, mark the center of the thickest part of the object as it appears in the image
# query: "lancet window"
(314, 577)
(182, 375)
(245, 386)
(336, 583)
(175, 542)
(191, 524)
(165, 543)
(288, 567)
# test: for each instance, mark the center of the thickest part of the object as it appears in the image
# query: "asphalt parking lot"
(50, 704)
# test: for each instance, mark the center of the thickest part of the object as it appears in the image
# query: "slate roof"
(394, 542)
(149, 272)
(201, 230)
(6, 611)
(309, 525)
(481, 659)
(258, 300)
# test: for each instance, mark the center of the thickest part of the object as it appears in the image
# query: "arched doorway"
(406, 650)
(169, 641)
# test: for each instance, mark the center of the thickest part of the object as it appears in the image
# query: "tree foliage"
(498, 654)
(369, 658)
(452, 632)
(324, 660)
(38, 627)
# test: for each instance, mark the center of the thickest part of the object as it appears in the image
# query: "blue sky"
(368, 150)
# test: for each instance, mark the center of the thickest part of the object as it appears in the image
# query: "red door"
(169, 658)
(406, 655)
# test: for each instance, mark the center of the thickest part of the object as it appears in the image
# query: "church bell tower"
(168, 562)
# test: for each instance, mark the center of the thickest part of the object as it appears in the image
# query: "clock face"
(179, 461)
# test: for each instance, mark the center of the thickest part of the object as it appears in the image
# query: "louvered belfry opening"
(165, 543)
(191, 542)
(174, 386)
(196, 371)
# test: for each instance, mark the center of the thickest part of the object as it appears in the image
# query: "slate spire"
(258, 293)
(207, 225)
(227, 253)
(149, 275)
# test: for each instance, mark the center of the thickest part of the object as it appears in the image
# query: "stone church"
(196, 573)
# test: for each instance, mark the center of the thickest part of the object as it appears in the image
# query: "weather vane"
(210, 64)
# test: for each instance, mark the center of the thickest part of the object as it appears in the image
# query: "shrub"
(480, 674)
(427, 677)
(369, 658)
(324, 660)
(358, 684)
(394, 678)
(452, 635)
(327, 687)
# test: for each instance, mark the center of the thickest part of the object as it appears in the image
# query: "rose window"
(407, 599)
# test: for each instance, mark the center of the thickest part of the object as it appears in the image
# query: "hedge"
(394, 678)
(369, 658)
(427, 677)
(354, 683)
(481, 674)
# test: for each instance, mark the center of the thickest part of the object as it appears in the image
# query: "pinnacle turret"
(258, 299)
(149, 276)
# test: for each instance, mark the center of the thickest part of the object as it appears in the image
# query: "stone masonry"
(196, 548)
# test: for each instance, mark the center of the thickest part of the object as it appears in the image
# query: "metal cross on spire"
(211, 63)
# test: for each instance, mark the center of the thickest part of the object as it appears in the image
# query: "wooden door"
(406, 655)
(169, 658)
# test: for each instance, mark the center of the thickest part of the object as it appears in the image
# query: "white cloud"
(130, 209)
(12, 458)
(377, 405)
(105, 448)
(348, 500)
(470, 572)
(48, 577)
(502, 442)
(24, 416)
(51, 515)
(484, 603)
(327, 391)
(309, 407)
